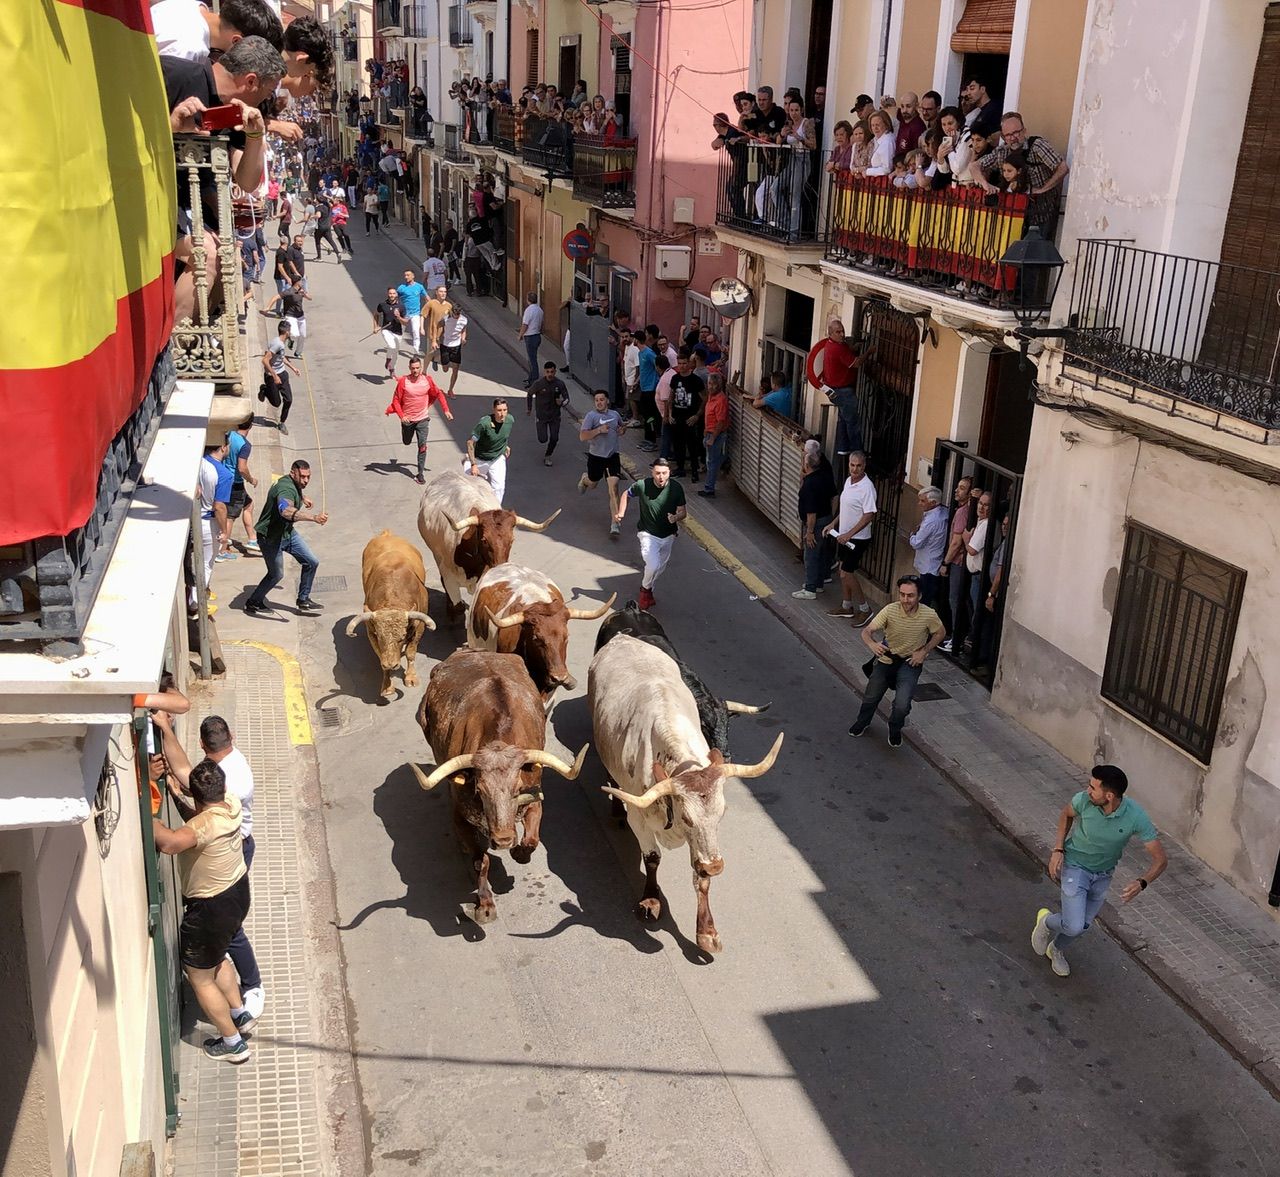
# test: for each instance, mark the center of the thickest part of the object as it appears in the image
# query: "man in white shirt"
(453, 334)
(852, 530)
(531, 333)
(188, 29)
(631, 380)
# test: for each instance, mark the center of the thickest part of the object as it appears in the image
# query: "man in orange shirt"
(412, 401)
(715, 431)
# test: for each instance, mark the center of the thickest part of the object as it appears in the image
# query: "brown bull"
(519, 610)
(483, 718)
(395, 605)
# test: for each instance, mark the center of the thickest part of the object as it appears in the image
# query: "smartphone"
(219, 118)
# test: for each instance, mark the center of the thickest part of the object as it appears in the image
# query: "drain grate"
(331, 717)
(329, 584)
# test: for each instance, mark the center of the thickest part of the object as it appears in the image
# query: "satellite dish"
(731, 297)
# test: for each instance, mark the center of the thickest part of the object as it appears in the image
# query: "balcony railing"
(415, 20)
(1198, 331)
(461, 24)
(547, 144)
(386, 15)
(208, 346)
(604, 174)
(505, 131)
(768, 190)
(453, 142)
(950, 240)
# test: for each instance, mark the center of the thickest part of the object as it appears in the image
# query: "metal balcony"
(768, 191)
(386, 16)
(547, 144)
(604, 174)
(1195, 330)
(453, 142)
(415, 20)
(505, 131)
(461, 26)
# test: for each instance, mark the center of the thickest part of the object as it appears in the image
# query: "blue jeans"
(715, 447)
(817, 559)
(531, 345)
(273, 555)
(903, 691)
(848, 424)
(1082, 894)
(240, 950)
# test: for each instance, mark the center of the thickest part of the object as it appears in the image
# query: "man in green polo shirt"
(1093, 830)
(285, 507)
(488, 448)
(662, 506)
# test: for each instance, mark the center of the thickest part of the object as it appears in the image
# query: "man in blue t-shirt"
(1093, 829)
(215, 493)
(239, 447)
(778, 398)
(412, 293)
(647, 368)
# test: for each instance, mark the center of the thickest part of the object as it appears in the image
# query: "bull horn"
(414, 615)
(354, 623)
(550, 760)
(506, 622)
(450, 766)
(463, 524)
(745, 708)
(745, 771)
(528, 798)
(592, 614)
(529, 525)
(664, 788)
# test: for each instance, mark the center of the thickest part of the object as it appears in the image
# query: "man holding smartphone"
(852, 530)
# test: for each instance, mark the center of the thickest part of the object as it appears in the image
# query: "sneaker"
(547, 462)
(857, 729)
(895, 739)
(861, 618)
(646, 599)
(1041, 936)
(420, 480)
(842, 612)
(244, 1021)
(706, 494)
(633, 423)
(258, 610)
(251, 545)
(308, 606)
(647, 446)
(615, 529)
(583, 485)
(216, 1048)
(227, 555)
(1058, 961)
(947, 646)
(284, 429)
(254, 1001)
(805, 594)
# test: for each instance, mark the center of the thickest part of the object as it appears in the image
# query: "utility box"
(673, 262)
(682, 210)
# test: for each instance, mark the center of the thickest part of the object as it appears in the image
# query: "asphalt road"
(876, 1010)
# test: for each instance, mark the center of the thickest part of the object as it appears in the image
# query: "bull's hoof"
(649, 910)
(710, 942)
(522, 854)
(410, 680)
(389, 696)
(486, 912)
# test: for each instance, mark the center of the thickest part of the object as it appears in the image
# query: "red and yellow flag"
(87, 225)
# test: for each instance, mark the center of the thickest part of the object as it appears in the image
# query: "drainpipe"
(882, 63)
(653, 142)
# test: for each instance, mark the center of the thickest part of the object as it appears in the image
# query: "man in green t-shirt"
(488, 448)
(1093, 829)
(661, 508)
(286, 506)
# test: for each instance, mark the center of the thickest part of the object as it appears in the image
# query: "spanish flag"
(87, 224)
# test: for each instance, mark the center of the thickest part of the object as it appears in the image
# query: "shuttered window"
(985, 27)
(534, 52)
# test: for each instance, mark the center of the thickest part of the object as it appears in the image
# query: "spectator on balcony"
(765, 126)
(862, 107)
(1046, 169)
(978, 103)
(579, 95)
(188, 30)
(1014, 176)
(421, 116)
(842, 149)
(910, 125)
(953, 131)
(779, 397)
(308, 57)
(882, 156)
(930, 107)
(818, 107)
(800, 135)
(593, 116)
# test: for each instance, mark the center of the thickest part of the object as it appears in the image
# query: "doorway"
(1006, 412)
(570, 63)
(992, 68)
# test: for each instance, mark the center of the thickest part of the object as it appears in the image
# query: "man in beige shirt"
(434, 312)
(215, 887)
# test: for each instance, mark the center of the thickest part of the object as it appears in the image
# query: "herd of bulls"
(660, 733)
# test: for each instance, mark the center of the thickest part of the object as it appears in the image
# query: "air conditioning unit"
(682, 210)
(673, 262)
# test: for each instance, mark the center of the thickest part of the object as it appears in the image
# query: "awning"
(985, 27)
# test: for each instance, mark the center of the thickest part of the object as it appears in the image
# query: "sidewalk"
(1217, 952)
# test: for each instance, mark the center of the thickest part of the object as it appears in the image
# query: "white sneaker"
(1040, 935)
(804, 595)
(583, 485)
(254, 1001)
(1058, 961)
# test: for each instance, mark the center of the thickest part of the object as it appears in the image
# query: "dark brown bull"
(484, 720)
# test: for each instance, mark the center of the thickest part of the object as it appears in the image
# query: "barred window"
(1171, 636)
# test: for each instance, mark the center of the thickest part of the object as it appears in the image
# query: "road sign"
(577, 245)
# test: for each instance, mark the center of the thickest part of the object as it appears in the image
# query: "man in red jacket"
(839, 363)
(414, 396)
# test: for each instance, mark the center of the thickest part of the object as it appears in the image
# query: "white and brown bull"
(519, 610)
(649, 737)
(467, 530)
(395, 605)
(484, 720)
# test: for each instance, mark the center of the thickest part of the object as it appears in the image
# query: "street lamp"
(1037, 265)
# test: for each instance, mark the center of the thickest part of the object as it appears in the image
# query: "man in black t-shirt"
(389, 320)
(298, 258)
(765, 126)
(687, 394)
(285, 275)
(324, 227)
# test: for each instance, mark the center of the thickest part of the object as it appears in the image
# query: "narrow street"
(876, 1010)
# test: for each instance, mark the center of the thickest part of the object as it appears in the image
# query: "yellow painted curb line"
(295, 698)
(715, 549)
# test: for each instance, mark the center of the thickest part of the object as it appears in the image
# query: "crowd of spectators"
(541, 116)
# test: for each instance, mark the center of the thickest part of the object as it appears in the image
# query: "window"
(534, 56)
(1171, 637)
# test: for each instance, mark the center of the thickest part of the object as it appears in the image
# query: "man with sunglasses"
(909, 633)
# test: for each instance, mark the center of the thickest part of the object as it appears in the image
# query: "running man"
(488, 448)
(277, 366)
(414, 396)
(602, 430)
(437, 309)
(389, 320)
(412, 292)
(548, 395)
(453, 334)
(662, 507)
(286, 506)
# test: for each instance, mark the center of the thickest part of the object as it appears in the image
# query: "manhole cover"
(329, 584)
(927, 692)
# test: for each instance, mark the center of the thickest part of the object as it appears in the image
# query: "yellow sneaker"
(1041, 937)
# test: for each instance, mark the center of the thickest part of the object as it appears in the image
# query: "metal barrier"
(779, 356)
(768, 190)
(604, 173)
(951, 239)
(766, 451)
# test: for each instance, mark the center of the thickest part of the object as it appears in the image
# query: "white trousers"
(391, 341)
(494, 473)
(655, 551)
(415, 331)
(209, 533)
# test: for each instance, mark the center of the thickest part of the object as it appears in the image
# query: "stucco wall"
(1059, 621)
(916, 50)
(1050, 67)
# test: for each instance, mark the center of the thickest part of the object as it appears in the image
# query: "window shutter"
(985, 27)
(535, 57)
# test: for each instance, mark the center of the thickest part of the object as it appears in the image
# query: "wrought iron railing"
(453, 142)
(546, 143)
(460, 26)
(768, 190)
(950, 240)
(47, 585)
(419, 125)
(386, 15)
(505, 130)
(415, 20)
(604, 174)
(1199, 331)
(386, 112)
(208, 346)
